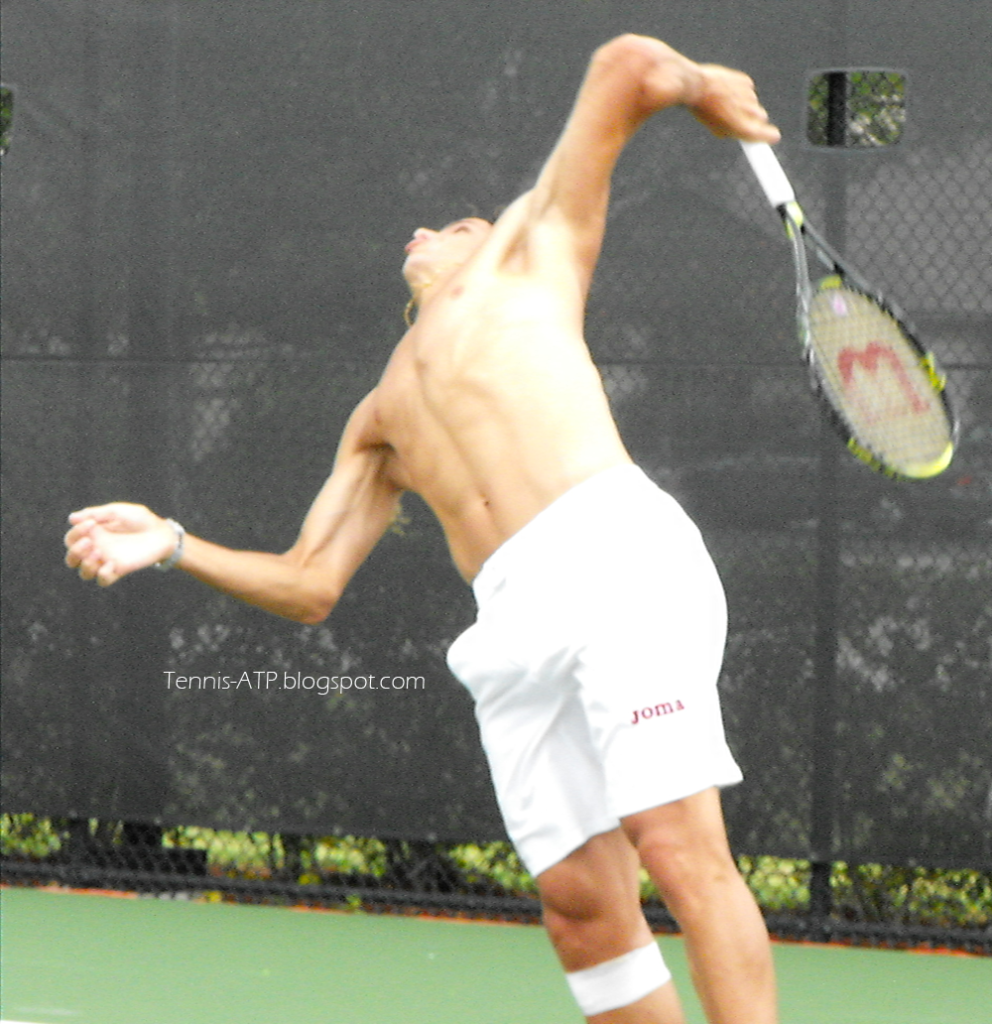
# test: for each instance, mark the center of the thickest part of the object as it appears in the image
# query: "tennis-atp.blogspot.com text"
(299, 682)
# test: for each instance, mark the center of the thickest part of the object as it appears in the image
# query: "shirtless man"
(594, 658)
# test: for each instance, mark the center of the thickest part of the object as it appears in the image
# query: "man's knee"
(578, 910)
(593, 915)
(591, 903)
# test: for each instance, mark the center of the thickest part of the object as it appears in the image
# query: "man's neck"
(422, 292)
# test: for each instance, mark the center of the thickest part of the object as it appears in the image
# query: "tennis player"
(601, 620)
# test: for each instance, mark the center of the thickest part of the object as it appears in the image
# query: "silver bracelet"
(177, 552)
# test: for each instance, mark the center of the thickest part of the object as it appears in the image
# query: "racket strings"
(874, 376)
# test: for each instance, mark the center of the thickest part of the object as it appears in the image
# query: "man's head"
(434, 255)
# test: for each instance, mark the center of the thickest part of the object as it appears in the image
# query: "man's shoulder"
(529, 238)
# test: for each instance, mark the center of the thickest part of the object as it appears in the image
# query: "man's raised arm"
(349, 515)
(628, 80)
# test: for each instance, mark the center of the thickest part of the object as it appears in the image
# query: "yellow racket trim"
(919, 471)
(938, 380)
(795, 216)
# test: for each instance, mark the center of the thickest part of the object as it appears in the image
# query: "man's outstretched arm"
(629, 79)
(350, 514)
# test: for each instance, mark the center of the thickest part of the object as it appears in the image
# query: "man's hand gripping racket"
(881, 388)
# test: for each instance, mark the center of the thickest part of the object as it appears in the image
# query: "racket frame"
(802, 236)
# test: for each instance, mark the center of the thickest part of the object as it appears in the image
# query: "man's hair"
(471, 210)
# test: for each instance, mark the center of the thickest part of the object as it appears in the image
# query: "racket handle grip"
(769, 173)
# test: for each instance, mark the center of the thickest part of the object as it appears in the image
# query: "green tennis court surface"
(89, 959)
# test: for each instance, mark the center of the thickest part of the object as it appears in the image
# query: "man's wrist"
(177, 552)
(695, 85)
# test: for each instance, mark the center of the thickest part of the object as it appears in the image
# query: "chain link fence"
(204, 218)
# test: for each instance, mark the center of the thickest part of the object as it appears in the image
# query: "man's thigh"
(682, 841)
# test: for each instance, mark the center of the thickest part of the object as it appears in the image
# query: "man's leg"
(593, 915)
(684, 847)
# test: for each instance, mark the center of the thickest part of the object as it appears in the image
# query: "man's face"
(432, 253)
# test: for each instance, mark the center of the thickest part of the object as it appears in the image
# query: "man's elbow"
(314, 608)
(310, 617)
(631, 52)
(656, 75)
(309, 607)
(306, 596)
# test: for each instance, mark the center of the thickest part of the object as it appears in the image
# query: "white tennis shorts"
(593, 663)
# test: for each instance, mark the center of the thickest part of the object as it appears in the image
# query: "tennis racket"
(881, 388)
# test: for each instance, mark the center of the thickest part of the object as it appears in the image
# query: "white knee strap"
(619, 982)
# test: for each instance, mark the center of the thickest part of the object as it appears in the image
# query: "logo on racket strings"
(892, 392)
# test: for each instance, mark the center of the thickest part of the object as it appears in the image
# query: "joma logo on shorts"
(658, 711)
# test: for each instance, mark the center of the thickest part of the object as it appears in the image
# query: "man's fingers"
(730, 107)
(78, 532)
(89, 563)
(762, 133)
(94, 512)
(102, 513)
(107, 574)
(77, 549)
(85, 557)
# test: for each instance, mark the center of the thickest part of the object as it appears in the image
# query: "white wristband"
(177, 552)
